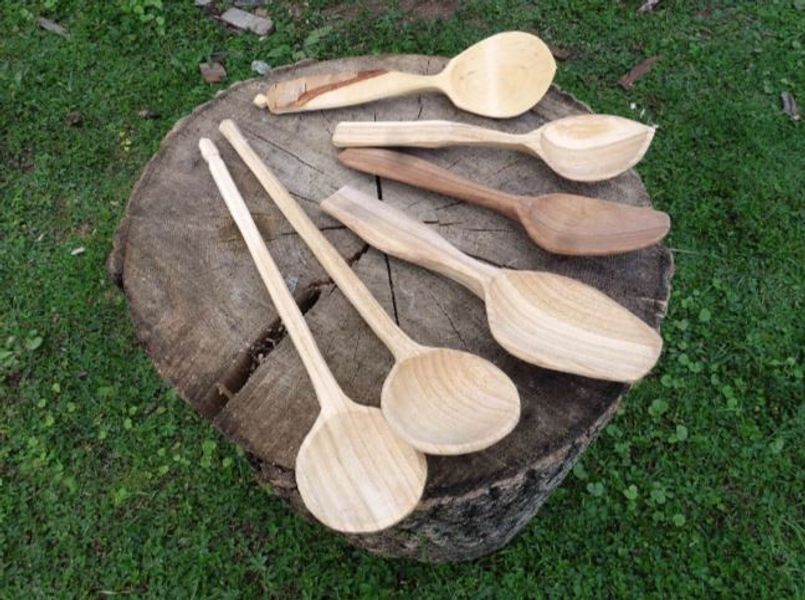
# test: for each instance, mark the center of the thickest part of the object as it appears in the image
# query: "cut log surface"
(203, 315)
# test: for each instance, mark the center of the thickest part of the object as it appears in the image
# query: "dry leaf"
(53, 27)
(148, 113)
(790, 106)
(628, 80)
(560, 53)
(212, 72)
(648, 6)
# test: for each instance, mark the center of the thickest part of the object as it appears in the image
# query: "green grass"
(110, 484)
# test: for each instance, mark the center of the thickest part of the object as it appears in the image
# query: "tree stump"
(202, 314)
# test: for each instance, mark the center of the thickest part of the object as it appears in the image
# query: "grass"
(111, 485)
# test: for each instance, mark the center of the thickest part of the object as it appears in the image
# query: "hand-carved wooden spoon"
(561, 223)
(542, 318)
(581, 148)
(501, 76)
(354, 473)
(440, 400)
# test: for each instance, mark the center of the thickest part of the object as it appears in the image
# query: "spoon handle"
(425, 174)
(334, 264)
(327, 389)
(421, 134)
(393, 232)
(334, 90)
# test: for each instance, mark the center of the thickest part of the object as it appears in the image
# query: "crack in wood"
(379, 189)
(286, 151)
(231, 382)
(449, 319)
(486, 260)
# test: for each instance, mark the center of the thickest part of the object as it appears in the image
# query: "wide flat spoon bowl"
(353, 472)
(580, 148)
(501, 76)
(440, 400)
(542, 318)
(561, 223)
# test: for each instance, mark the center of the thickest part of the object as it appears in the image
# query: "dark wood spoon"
(561, 223)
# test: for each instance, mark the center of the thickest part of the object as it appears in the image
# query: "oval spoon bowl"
(342, 487)
(580, 225)
(592, 147)
(502, 76)
(482, 406)
(554, 321)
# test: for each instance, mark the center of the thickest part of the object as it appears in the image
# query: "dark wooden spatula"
(560, 223)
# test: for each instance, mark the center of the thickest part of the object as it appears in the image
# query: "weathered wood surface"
(201, 312)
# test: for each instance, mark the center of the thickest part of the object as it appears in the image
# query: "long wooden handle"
(327, 390)
(349, 283)
(423, 173)
(395, 233)
(343, 89)
(421, 134)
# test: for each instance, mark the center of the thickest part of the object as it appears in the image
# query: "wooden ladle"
(542, 318)
(581, 148)
(501, 76)
(353, 472)
(440, 400)
(561, 223)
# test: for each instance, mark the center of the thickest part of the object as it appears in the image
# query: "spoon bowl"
(550, 320)
(580, 225)
(345, 490)
(591, 147)
(449, 402)
(496, 77)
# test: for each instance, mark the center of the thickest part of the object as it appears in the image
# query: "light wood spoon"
(353, 472)
(501, 76)
(542, 318)
(580, 148)
(439, 400)
(561, 223)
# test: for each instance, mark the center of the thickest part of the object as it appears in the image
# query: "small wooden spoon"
(353, 472)
(501, 76)
(439, 400)
(561, 223)
(542, 318)
(581, 148)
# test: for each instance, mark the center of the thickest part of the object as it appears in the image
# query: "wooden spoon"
(439, 400)
(561, 223)
(501, 76)
(353, 472)
(581, 148)
(542, 318)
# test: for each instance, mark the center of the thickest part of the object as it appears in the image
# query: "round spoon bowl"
(592, 147)
(502, 76)
(356, 475)
(560, 323)
(444, 401)
(580, 225)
